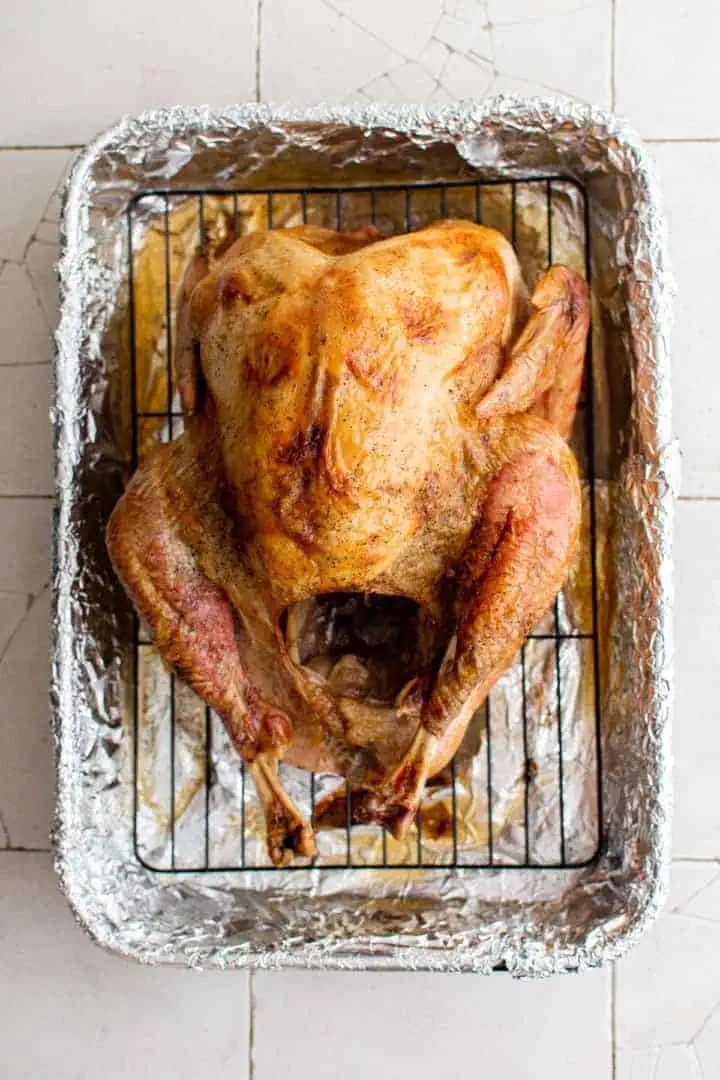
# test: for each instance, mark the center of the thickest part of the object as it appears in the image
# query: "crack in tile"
(698, 1062)
(50, 316)
(16, 627)
(394, 71)
(704, 919)
(710, 1016)
(483, 22)
(657, 1056)
(258, 49)
(450, 48)
(541, 85)
(364, 29)
(25, 269)
(56, 193)
(366, 87)
(478, 60)
(534, 84)
(443, 69)
(471, 56)
(443, 11)
(32, 599)
(393, 81)
(5, 831)
(376, 37)
(678, 909)
(709, 1010)
(34, 287)
(35, 239)
(362, 93)
(44, 220)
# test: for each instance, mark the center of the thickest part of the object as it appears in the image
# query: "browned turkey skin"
(371, 505)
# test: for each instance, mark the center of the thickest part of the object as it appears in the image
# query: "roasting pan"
(545, 847)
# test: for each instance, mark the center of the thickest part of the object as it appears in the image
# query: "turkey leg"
(514, 564)
(173, 548)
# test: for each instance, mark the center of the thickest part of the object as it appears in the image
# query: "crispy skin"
(361, 417)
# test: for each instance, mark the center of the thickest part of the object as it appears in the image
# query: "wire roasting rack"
(193, 848)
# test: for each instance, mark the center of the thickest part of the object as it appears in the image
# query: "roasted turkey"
(371, 505)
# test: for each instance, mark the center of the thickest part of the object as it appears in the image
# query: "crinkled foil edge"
(497, 933)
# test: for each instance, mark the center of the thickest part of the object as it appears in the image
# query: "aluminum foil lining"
(439, 917)
(524, 786)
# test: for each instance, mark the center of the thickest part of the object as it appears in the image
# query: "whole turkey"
(372, 502)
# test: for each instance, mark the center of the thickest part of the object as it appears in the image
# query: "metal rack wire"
(200, 858)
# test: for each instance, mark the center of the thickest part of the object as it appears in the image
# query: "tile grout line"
(707, 860)
(41, 146)
(683, 141)
(258, 40)
(251, 1028)
(27, 363)
(613, 54)
(25, 850)
(613, 1020)
(5, 831)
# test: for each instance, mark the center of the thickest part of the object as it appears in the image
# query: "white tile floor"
(66, 1009)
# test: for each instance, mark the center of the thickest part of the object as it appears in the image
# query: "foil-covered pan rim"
(655, 465)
